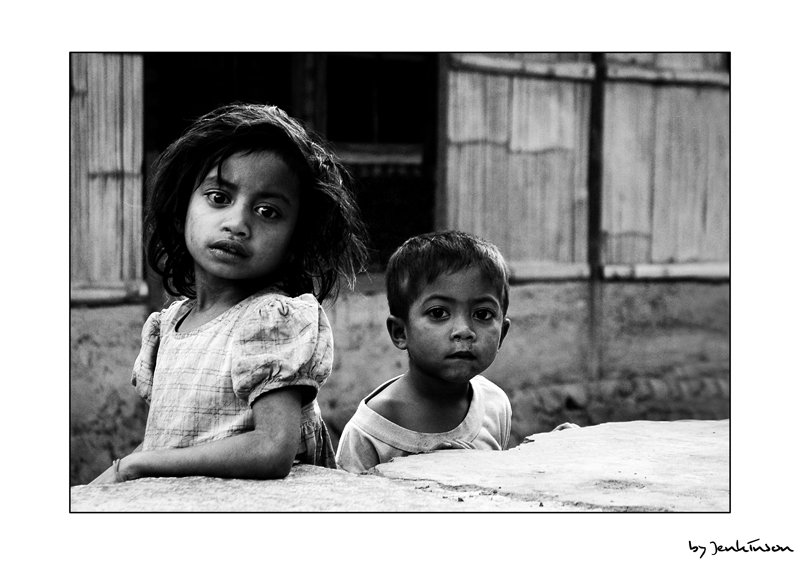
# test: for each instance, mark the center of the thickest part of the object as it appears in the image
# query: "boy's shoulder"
(386, 400)
(491, 393)
(485, 384)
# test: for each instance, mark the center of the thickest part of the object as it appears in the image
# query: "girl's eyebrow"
(233, 186)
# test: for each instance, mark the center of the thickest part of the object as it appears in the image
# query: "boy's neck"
(414, 403)
(435, 390)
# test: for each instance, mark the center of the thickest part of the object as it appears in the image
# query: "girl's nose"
(235, 222)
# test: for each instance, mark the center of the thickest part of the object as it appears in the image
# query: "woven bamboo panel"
(517, 148)
(545, 115)
(542, 208)
(516, 164)
(689, 174)
(106, 144)
(665, 174)
(628, 173)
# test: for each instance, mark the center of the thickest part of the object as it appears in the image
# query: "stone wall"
(615, 467)
(107, 417)
(659, 351)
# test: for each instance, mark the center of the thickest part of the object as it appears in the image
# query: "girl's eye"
(217, 198)
(484, 314)
(437, 313)
(268, 212)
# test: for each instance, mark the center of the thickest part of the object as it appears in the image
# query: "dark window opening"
(381, 117)
(180, 87)
(378, 110)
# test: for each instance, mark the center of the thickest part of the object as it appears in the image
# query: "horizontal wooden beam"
(709, 270)
(379, 154)
(540, 270)
(532, 271)
(577, 70)
(108, 293)
(671, 76)
(573, 70)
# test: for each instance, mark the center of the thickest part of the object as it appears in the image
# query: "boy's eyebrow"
(446, 298)
(439, 297)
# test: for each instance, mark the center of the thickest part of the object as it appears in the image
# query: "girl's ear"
(504, 331)
(397, 331)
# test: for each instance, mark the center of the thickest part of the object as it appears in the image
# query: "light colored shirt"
(369, 439)
(201, 384)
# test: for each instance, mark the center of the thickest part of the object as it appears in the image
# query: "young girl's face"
(239, 225)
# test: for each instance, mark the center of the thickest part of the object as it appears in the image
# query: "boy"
(448, 298)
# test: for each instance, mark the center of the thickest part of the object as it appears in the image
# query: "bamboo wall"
(666, 161)
(516, 150)
(516, 160)
(106, 145)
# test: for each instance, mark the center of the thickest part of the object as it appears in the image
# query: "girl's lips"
(230, 246)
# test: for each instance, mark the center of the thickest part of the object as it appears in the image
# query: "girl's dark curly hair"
(329, 241)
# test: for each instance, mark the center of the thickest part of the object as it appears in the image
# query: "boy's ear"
(397, 331)
(504, 331)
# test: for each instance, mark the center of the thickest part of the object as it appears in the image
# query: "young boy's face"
(454, 328)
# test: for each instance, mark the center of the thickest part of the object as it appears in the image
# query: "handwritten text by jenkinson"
(747, 548)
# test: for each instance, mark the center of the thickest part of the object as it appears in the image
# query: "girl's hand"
(109, 476)
(453, 444)
(565, 426)
(115, 474)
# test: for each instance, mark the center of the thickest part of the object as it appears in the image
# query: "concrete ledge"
(646, 466)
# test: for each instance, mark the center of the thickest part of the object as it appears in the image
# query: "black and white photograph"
(317, 265)
(442, 300)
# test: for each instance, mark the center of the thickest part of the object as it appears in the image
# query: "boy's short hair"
(423, 258)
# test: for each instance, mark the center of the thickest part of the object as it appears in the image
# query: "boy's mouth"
(462, 355)
(230, 246)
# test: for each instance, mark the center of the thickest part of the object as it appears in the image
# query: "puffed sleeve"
(283, 342)
(145, 363)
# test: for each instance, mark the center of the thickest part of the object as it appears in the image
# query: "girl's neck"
(212, 302)
(219, 296)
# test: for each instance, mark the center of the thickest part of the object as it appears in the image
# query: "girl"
(251, 219)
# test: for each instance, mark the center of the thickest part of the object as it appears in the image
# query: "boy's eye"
(268, 212)
(437, 313)
(484, 314)
(217, 198)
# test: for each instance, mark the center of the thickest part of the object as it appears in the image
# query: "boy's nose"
(462, 331)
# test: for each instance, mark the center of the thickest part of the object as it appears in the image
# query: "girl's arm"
(110, 474)
(267, 452)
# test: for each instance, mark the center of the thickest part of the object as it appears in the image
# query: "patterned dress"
(201, 384)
